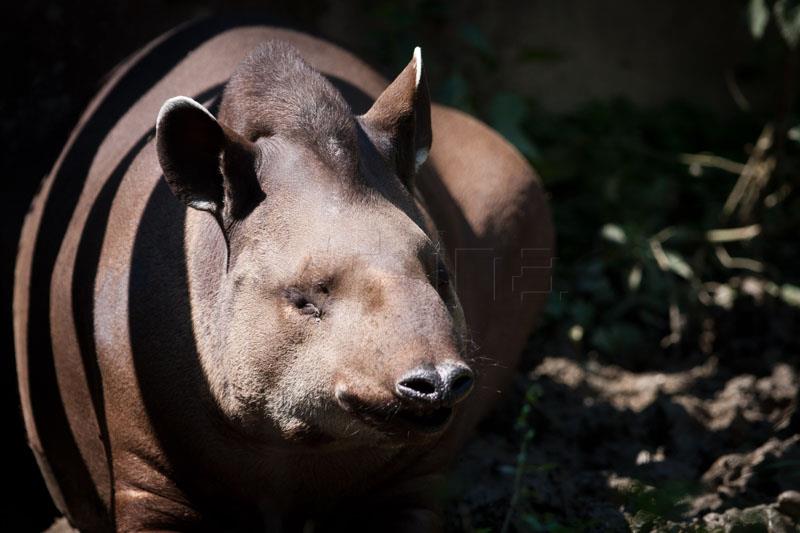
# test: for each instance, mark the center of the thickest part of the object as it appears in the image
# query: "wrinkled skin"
(258, 353)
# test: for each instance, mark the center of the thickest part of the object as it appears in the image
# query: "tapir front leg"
(139, 509)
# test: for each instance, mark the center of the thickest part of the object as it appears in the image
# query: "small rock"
(789, 503)
(758, 518)
(705, 503)
(753, 473)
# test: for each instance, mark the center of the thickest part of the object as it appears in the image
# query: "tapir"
(265, 289)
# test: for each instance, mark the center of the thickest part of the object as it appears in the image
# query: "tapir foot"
(61, 525)
(139, 509)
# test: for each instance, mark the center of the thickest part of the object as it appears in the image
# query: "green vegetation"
(667, 218)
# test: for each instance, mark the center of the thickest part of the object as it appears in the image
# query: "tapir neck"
(206, 264)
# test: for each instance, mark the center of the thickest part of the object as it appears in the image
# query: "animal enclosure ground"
(662, 387)
(708, 447)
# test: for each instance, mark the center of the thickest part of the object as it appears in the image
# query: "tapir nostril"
(457, 380)
(461, 385)
(420, 384)
(445, 384)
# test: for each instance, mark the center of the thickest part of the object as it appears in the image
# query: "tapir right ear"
(402, 113)
(207, 165)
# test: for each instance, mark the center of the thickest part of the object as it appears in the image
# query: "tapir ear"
(208, 166)
(402, 113)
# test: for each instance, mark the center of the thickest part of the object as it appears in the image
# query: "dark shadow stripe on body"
(84, 275)
(60, 452)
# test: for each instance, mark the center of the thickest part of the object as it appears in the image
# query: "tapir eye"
(308, 308)
(301, 302)
(442, 275)
(441, 279)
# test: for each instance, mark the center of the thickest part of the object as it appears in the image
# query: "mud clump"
(700, 448)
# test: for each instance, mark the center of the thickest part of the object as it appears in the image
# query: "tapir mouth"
(395, 416)
(428, 422)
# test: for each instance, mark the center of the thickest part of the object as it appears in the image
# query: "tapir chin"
(264, 289)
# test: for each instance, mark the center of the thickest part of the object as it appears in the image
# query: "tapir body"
(292, 342)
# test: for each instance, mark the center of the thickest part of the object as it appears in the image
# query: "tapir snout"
(444, 384)
(422, 399)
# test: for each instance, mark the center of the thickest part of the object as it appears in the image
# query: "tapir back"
(101, 271)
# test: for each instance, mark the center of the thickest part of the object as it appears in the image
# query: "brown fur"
(273, 91)
(206, 372)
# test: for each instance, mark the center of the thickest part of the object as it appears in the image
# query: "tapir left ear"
(401, 116)
(207, 165)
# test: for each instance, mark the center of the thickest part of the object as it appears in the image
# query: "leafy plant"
(786, 14)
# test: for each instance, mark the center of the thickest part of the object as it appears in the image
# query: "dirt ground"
(702, 448)
(707, 447)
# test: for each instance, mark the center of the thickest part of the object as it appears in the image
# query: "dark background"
(590, 93)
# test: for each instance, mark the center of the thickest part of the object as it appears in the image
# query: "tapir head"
(332, 313)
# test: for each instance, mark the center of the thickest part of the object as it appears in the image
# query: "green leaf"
(594, 281)
(507, 113)
(582, 312)
(473, 36)
(635, 277)
(507, 470)
(678, 265)
(758, 16)
(787, 15)
(532, 522)
(556, 306)
(794, 133)
(616, 339)
(613, 233)
(575, 333)
(455, 92)
(790, 294)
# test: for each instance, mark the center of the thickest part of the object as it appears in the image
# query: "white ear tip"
(180, 101)
(417, 64)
